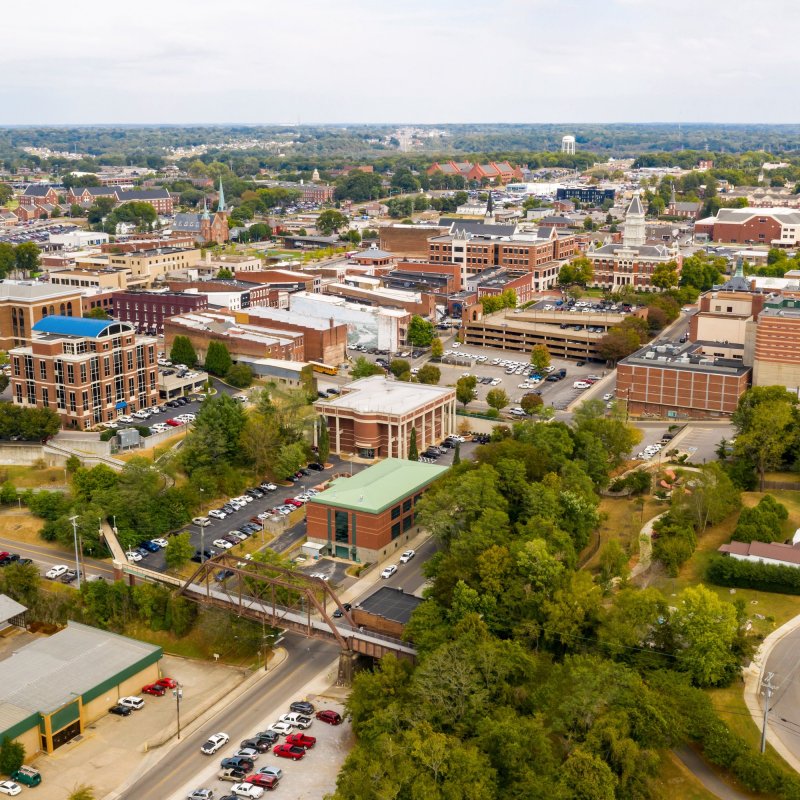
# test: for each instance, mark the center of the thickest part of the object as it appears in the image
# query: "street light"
(177, 693)
(73, 520)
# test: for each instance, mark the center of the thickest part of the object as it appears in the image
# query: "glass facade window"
(341, 528)
(395, 512)
(395, 530)
(407, 505)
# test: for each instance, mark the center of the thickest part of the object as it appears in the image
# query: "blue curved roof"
(73, 326)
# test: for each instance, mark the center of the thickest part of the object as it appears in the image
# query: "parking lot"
(33, 232)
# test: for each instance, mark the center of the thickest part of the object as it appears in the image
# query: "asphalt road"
(45, 557)
(243, 717)
(785, 706)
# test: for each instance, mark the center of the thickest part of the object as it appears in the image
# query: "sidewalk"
(645, 547)
(753, 675)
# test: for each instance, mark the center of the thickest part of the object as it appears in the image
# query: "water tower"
(568, 145)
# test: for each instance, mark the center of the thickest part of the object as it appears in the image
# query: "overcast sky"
(427, 61)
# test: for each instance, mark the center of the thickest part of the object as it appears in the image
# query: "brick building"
(38, 194)
(424, 276)
(494, 172)
(160, 199)
(87, 370)
(371, 514)
(776, 345)
(244, 342)
(24, 303)
(317, 193)
(232, 294)
(323, 341)
(146, 311)
(683, 382)
(409, 241)
(368, 291)
(776, 227)
(373, 417)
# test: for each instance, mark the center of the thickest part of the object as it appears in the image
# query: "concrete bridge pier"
(348, 666)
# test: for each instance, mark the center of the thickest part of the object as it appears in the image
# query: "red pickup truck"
(301, 740)
(288, 751)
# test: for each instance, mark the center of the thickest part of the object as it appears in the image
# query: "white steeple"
(634, 232)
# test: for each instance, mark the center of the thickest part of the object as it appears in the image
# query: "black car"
(301, 707)
(173, 403)
(120, 711)
(338, 614)
(223, 575)
(262, 745)
(69, 576)
(316, 466)
(304, 471)
(9, 559)
(23, 561)
(197, 557)
(237, 762)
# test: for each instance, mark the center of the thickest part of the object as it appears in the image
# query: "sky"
(415, 61)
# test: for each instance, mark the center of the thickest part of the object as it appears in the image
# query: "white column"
(338, 437)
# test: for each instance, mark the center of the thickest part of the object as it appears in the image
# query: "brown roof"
(772, 551)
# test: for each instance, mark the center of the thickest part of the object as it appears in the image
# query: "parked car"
(56, 572)
(215, 741)
(247, 790)
(289, 751)
(267, 736)
(132, 701)
(276, 772)
(133, 555)
(329, 716)
(261, 745)
(120, 711)
(10, 788)
(281, 727)
(154, 689)
(232, 775)
(167, 683)
(302, 707)
(301, 740)
(201, 521)
(338, 613)
(30, 776)
(237, 762)
(200, 794)
(264, 781)
(407, 556)
(297, 720)
(316, 466)
(151, 547)
(160, 542)
(250, 753)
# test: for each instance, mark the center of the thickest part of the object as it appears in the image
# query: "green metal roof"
(380, 486)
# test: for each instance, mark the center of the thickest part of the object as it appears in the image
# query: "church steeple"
(221, 205)
(205, 214)
(672, 198)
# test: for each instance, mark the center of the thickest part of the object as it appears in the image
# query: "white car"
(160, 542)
(215, 741)
(247, 790)
(525, 385)
(297, 720)
(456, 345)
(240, 535)
(389, 571)
(283, 728)
(10, 788)
(608, 396)
(217, 513)
(407, 556)
(141, 414)
(270, 487)
(57, 571)
(132, 555)
(133, 702)
(581, 385)
(125, 419)
(201, 521)
(223, 544)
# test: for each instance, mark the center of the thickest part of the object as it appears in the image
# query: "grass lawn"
(21, 526)
(623, 518)
(776, 608)
(674, 780)
(30, 477)
(153, 453)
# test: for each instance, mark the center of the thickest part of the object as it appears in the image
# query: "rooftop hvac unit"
(662, 358)
(649, 354)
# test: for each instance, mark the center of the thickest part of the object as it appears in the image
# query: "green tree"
(531, 403)
(420, 332)
(178, 551)
(330, 221)
(497, 398)
(239, 375)
(705, 628)
(579, 271)
(363, 369)
(224, 274)
(97, 313)
(75, 210)
(437, 348)
(540, 358)
(665, 276)
(457, 454)
(429, 374)
(218, 359)
(465, 389)
(182, 352)
(8, 259)
(585, 776)
(12, 755)
(27, 258)
(613, 562)
(400, 368)
(413, 453)
(323, 440)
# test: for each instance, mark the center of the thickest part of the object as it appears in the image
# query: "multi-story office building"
(87, 370)
(146, 311)
(23, 303)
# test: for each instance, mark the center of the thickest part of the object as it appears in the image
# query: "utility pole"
(73, 520)
(767, 688)
(178, 694)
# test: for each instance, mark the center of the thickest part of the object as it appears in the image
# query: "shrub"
(726, 571)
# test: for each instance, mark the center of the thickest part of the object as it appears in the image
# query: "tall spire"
(205, 214)
(634, 234)
(221, 206)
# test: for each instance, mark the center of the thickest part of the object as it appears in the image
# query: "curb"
(753, 676)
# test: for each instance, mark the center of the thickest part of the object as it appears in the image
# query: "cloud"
(421, 60)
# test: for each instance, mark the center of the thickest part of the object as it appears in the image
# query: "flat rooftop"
(31, 290)
(380, 486)
(322, 300)
(378, 394)
(290, 317)
(52, 671)
(688, 357)
(390, 603)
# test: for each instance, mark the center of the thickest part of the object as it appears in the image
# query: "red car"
(167, 683)
(264, 781)
(331, 717)
(290, 501)
(175, 423)
(288, 751)
(301, 740)
(155, 689)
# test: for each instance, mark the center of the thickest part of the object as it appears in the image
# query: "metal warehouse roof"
(391, 603)
(10, 608)
(52, 671)
(380, 486)
(77, 326)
